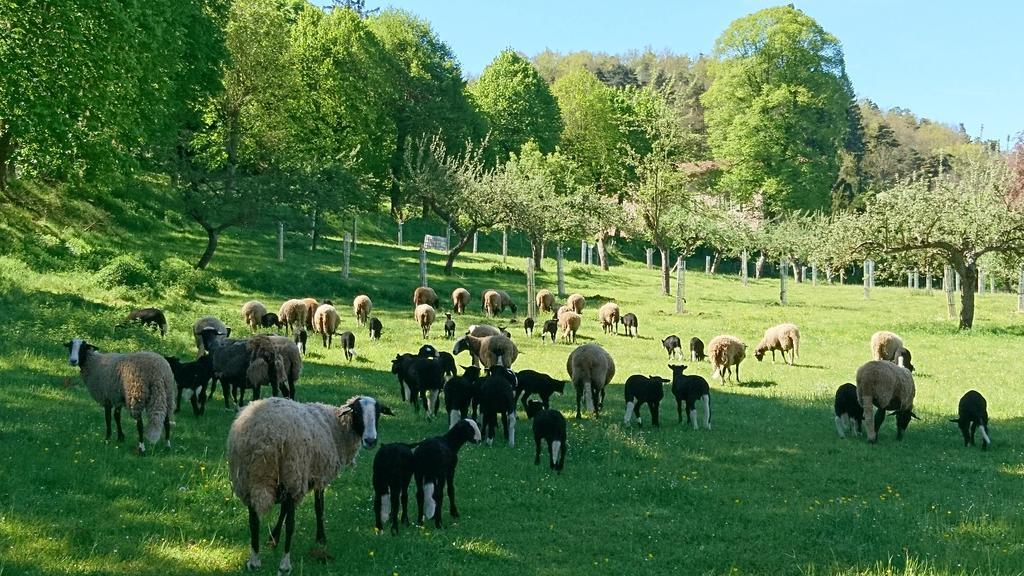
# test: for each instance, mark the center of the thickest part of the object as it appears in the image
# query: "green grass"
(771, 490)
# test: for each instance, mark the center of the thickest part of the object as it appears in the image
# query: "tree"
(776, 109)
(792, 238)
(961, 216)
(517, 105)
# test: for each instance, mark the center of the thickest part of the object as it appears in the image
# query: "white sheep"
(252, 314)
(889, 387)
(784, 338)
(361, 307)
(292, 315)
(278, 450)
(590, 368)
(425, 316)
(140, 381)
(325, 322)
(204, 323)
(726, 352)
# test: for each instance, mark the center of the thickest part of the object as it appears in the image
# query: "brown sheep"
(609, 315)
(424, 295)
(361, 307)
(425, 316)
(569, 324)
(577, 302)
(889, 387)
(545, 300)
(460, 299)
(590, 368)
(726, 352)
(784, 338)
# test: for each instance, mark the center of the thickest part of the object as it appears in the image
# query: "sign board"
(439, 243)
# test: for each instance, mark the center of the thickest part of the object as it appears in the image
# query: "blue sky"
(951, 61)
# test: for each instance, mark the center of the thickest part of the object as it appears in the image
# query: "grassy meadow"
(770, 490)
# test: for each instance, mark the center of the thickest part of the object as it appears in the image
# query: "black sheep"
(348, 345)
(903, 359)
(497, 396)
(533, 382)
(550, 327)
(300, 339)
(375, 328)
(447, 363)
(689, 388)
(847, 406)
(400, 368)
(673, 346)
(631, 324)
(449, 326)
(434, 463)
(460, 393)
(528, 326)
(152, 317)
(548, 425)
(973, 415)
(392, 470)
(195, 377)
(642, 390)
(697, 350)
(270, 320)
(425, 379)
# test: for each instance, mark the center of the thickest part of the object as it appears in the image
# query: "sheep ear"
(383, 409)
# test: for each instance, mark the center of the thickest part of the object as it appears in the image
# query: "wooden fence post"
(280, 241)
(948, 284)
(583, 251)
(650, 258)
(1020, 291)
(399, 232)
(814, 274)
(707, 264)
(680, 284)
(504, 246)
(743, 263)
(423, 265)
(867, 280)
(531, 291)
(560, 270)
(347, 247)
(783, 299)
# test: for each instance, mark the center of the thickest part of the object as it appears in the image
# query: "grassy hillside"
(770, 490)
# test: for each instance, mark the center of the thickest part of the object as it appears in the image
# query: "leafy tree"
(517, 105)
(776, 109)
(792, 238)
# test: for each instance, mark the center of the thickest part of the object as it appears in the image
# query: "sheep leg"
(869, 408)
(439, 500)
(655, 408)
(738, 381)
(318, 506)
(289, 527)
(138, 428)
(117, 420)
(452, 509)
(167, 429)
(376, 512)
(841, 422)
(228, 393)
(679, 410)
(198, 407)
(106, 417)
(404, 491)
(419, 499)
(177, 407)
(275, 533)
(254, 540)
(536, 455)
(879, 418)
(579, 398)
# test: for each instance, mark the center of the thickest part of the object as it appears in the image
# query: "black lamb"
(449, 326)
(434, 463)
(848, 408)
(673, 346)
(270, 320)
(533, 382)
(697, 350)
(973, 415)
(461, 392)
(903, 359)
(528, 326)
(550, 328)
(497, 396)
(300, 339)
(631, 324)
(642, 390)
(348, 345)
(195, 377)
(548, 425)
(689, 388)
(375, 328)
(392, 470)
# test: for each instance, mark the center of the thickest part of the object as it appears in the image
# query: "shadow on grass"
(757, 384)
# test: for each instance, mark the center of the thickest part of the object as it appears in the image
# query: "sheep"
(460, 298)
(631, 324)
(270, 320)
(153, 317)
(697, 350)
(204, 323)
(689, 388)
(392, 471)
(266, 366)
(609, 316)
(301, 336)
(590, 368)
(375, 328)
(528, 325)
(481, 330)
(545, 300)
(533, 382)
(361, 307)
(886, 346)
(889, 387)
(640, 390)
(489, 351)
(550, 327)
(292, 358)
(673, 346)
(424, 295)
(726, 352)
(434, 463)
(492, 303)
(569, 324)
(292, 315)
(903, 359)
(279, 449)
(424, 315)
(252, 314)
(348, 345)
(548, 425)
(325, 322)
(236, 364)
(230, 360)
(424, 377)
(461, 393)
(139, 381)
(311, 306)
(506, 302)
(194, 377)
(447, 362)
(784, 338)
(449, 326)
(497, 396)
(847, 407)
(972, 414)
(577, 302)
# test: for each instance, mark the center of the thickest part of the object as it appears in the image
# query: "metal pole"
(347, 249)
(423, 265)
(280, 241)
(583, 251)
(680, 285)
(561, 272)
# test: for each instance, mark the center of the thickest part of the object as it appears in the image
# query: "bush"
(128, 270)
(177, 274)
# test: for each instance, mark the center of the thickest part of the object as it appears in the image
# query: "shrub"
(177, 274)
(128, 270)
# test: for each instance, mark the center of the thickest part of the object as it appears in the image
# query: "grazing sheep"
(569, 323)
(424, 377)
(375, 328)
(528, 325)
(550, 328)
(972, 414)
(673, 346)
(204, 323)
(545, 300)
(609, 317)
(903, 359)
(424, 315)
(631, 324)
(292, 358)
(489, 351)
(577, 302)
(311, 306)
(590, 368)
(266, 366)
(301, 336)
(270, 320)
(230, 360)
(889, 387)
(361, 307)
(152, 317)
(460, 299)
(847, 407)
(533, 382)
(482, 330)
(449, 326)
(292, 315)
(194, 377)
(497, 396)
(461, 392)
(434, 463)
(279, 449)
(640, 390)
(726, 352)
(492, 303)
(886, 346)
(348, 345)
(689, 388)
(784, 338)
(506, 302)
(697, 350)
(548, 425)
(325, 322)
(424, 295)
(140, 381)
(252, 314)
(392, 471)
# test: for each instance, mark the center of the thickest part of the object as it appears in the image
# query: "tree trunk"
(464, 239)
(714, 262)
(798, 272)
(664, 271)
(602, 255)
(759, 268)
(7, 148)
(537, 252)
(212, 234)
(968, 285)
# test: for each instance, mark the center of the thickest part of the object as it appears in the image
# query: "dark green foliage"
(127, 270)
